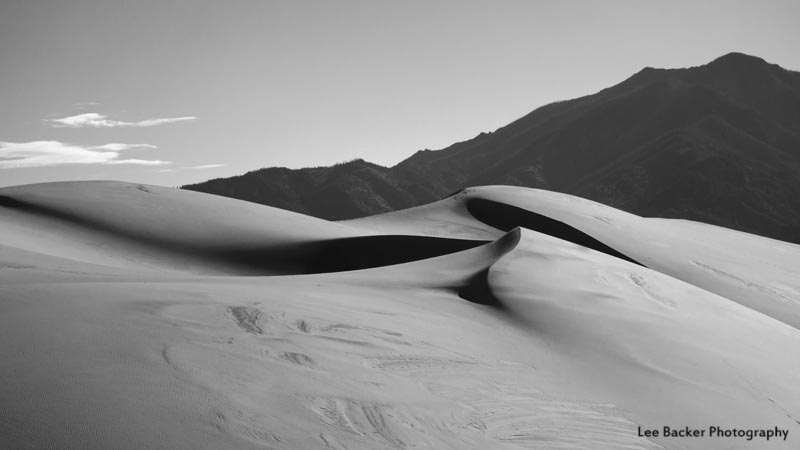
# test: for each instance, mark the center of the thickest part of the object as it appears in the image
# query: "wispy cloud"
(117, 147)
(205, 166)
(202, 167)
(95, 120)
(140, 162)
(14, 155)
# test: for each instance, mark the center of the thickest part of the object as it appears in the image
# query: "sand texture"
(137, 316)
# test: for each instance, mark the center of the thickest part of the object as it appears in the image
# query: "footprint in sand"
(247, 318)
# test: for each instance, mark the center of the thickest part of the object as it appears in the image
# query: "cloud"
(201, 167)
(117, 147)
(15, 155)
(154, 122)
(95, 120)
(140, 162)
(205, 166)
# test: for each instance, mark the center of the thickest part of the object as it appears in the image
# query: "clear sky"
(172, 92)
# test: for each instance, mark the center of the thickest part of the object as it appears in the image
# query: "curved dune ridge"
(152, 227)
(145, 317)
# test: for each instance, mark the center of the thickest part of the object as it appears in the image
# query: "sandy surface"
(143, 317)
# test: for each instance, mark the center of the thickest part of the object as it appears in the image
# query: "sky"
(172, 92)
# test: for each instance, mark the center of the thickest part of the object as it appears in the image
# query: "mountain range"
(718, 143)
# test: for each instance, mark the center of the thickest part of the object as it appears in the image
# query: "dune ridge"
(213, 248)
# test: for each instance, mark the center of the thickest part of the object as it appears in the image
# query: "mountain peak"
(735, 60)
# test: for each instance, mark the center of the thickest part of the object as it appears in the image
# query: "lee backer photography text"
(715, 431)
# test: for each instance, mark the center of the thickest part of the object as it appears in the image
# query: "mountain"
(718, 143)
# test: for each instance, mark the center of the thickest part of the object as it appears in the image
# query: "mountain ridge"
(718, 143)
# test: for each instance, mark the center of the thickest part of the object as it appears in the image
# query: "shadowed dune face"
(506, 217)
(8, 202)
(475, 287)
(337, 255)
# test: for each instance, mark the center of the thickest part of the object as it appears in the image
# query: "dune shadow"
(506, 217)
(344, 254)
(476, 288)
(9, 202)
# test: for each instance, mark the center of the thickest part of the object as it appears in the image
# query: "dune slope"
(457, 330)
(150, 227)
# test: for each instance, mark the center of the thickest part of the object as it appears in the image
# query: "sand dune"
(760, 273)
(144, 317)
(150, 227)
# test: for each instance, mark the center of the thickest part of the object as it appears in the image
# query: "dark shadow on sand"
(338, 255)
(476, 288)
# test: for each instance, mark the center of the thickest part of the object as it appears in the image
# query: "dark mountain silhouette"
(718, 143)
